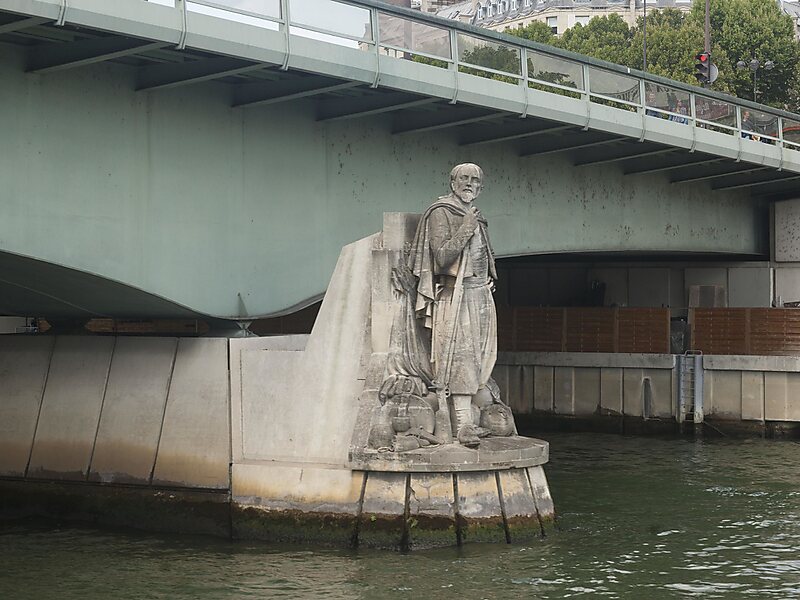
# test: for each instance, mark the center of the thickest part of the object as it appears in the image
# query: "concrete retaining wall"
(752, 388)
(130, 410)
(587, 384)
(735, 388)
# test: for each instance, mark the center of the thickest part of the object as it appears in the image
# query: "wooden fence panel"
(583, 329)
(760, 331)
(590, 330)
(643, 330)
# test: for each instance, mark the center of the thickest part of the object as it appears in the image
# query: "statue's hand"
(471, 219)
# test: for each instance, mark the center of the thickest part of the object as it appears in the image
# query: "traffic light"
(701, 67)
(704, 70)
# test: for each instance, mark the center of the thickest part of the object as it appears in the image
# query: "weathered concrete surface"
(542, 497)
(383, 513)
(133, 411)
(301, 406)
(726, 362)
(71, 406)
(295, 503)
(194, 447)
(24, 362)
(295, 486)
(587, 359)
(432, 514)
(582, 385)
(522, 518)
(478, 504)
(252, 349)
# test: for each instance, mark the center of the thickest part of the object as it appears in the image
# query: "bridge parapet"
(393, 33)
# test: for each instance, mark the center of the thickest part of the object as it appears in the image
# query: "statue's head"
(466, 181)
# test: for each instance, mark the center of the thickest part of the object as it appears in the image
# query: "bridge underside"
(185, 182)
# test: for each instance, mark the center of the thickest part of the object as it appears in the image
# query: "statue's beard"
(466, 196)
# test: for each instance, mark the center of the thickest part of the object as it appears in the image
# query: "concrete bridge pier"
(242, 437)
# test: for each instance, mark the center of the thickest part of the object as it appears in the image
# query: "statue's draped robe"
(440, 248)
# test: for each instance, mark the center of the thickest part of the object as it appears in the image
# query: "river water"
(639, 518)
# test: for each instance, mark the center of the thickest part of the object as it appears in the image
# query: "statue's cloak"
(422, 263)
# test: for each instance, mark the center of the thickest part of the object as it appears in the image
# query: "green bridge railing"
(404, 34)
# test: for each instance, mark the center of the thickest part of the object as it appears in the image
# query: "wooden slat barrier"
(767, 331)
(590, 329)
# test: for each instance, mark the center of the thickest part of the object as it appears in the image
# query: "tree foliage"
(740, 30)
(747, 29)
(607, 38)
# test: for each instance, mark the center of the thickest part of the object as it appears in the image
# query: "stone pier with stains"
(247, 438)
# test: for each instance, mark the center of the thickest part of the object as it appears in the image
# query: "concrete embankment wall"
(752, 388)
(587, 384)
(751, 391)
(133, 410)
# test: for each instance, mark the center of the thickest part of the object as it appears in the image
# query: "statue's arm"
(447, 241)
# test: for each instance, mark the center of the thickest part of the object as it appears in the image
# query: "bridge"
(210, 158)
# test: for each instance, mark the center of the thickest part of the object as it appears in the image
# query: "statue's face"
(467, 184)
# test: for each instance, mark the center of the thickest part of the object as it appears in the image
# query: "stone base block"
(406, 511)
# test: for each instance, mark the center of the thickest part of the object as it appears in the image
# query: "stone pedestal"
(301, 413)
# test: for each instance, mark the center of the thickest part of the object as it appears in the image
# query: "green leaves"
(740, 30)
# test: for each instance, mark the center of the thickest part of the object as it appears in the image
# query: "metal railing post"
(523, 56)
(693, 120)
(454, 64)
(376, 39)
(643, 108)
(286, 19)
(588, 95)
(181, 6)
(62, 14)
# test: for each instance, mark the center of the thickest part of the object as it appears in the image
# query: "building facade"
(560, 15)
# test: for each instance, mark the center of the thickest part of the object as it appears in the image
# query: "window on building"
(582, 20)
(552, 23)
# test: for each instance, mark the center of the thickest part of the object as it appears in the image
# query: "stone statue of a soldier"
(453, 261)
(437, 383)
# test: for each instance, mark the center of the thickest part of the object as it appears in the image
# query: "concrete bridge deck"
(207, 160)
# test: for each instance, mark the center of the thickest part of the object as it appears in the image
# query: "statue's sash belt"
(469, 283)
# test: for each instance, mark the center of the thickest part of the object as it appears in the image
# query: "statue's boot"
(465, 425)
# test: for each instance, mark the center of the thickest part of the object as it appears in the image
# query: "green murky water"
(640, 518)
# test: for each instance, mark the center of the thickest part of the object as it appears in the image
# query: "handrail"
(527, 48)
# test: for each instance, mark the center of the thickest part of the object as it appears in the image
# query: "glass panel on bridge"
(553, 70)
(791, 132)
(270, 9)
(614, 86)
(763, 124)
(398, 34)
(715, 114)
(490, 57)
(329, 17)
(667, 103)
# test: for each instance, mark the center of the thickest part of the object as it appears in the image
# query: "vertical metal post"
(285, 19)
(698, 388)
(644, 38)
(454, 64)
(693, 119)
(707, 37)
(62, 13)
(523, 56)
(376, 35)
(181, 6)
(643, 108)
(588, 95)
